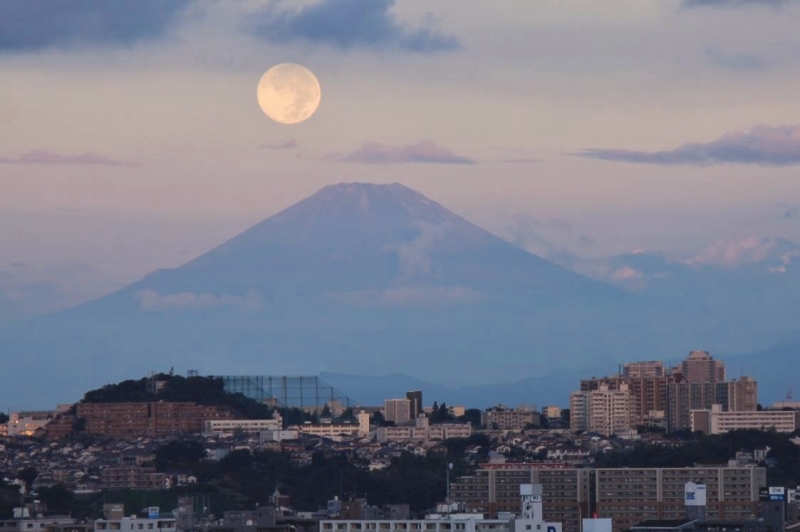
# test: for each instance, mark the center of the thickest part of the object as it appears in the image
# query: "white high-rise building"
(603, 411)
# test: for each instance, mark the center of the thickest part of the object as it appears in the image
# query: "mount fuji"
(357, 278)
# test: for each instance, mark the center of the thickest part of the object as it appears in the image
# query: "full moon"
(288, 93)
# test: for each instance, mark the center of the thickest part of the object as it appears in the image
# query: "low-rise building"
(27, 423)
(247, 426)
(502, 418)
(424, 431)
(717, 421)
(127, 524)
(134, 478)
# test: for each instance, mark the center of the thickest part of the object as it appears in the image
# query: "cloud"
(151, 300)
(414, 258)
(733, 60)
(348, 24)
(288, 145)
(422, 152)
(410, 297)
(521, 160)
(29, 290)
(42, 24)
(737, 3)
(762, 145)
(789, 211)
(44, 157)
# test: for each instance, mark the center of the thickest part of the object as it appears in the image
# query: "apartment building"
(495, 488)
(133, 478)
(648, 395)
(423, 431)
(397, 410)
(604, 410)
(631, 495)
(644, 370)
(739, 395)
(700, 366)
(248, 426)
(627, 495)
(132, 420)
(335, 430)
(718, 421)
(502, 418)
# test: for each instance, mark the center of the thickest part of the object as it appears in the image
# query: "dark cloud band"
(348, 24)
(761, 145)
(33, 25)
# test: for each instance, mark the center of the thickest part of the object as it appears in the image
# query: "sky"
(131, 139)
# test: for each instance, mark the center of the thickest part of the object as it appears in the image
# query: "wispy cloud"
(422, 152)
(44, 157)
(520, 160)
(151, 300)
(288, 145)
(789, 211)
(410, 297)
(735, 60)
(41, 24)
(737, 3)
(761, 145)
(348, 24)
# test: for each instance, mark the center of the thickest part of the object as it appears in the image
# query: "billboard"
(602, 524)
(777, 494)
(694, 494)
(153, 512)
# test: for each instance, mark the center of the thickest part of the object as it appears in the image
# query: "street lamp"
(447, 500)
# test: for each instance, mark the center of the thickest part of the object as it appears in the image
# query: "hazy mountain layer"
(357, 278)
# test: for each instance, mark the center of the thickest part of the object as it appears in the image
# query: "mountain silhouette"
(357, 278)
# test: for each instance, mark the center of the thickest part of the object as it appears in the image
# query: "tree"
(472, 416)
(440, 414)
(179, 454)
(28, 475)
(3, 418)
(326, 412)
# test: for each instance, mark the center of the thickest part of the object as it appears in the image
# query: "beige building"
(717, 421)
(734, 396)
(397, 410)
(422, 430)
(648, 395)
(551, 412)
(631, 495)
(133, 478)
(27, 423)
(644, 370)
(494, 488)
(502, 418)
(628, 495)
(700, 366)
(336, 430)
(604, 410)
(248, 426)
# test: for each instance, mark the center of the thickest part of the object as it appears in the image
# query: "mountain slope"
(380, 244)
(356, 278)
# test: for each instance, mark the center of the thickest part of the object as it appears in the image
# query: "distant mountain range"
(378, 279)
